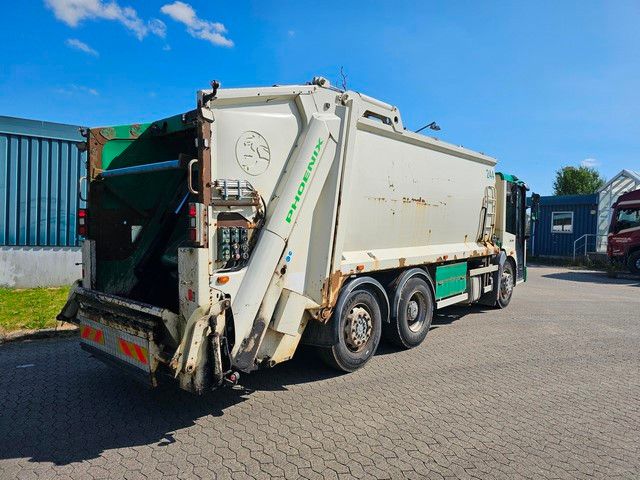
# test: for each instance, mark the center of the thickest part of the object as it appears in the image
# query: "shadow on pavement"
(441, 318)
(449, 315)
(68, 407)
(65, 412)
(594, 277)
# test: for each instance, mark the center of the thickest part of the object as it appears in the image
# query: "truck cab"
(623, 241)
(510, 227)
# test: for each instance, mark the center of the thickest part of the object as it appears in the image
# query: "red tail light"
(82, 222)
(195, 229)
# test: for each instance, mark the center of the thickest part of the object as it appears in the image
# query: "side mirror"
(535, 207)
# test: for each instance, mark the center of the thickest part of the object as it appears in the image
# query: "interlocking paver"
(548, 388)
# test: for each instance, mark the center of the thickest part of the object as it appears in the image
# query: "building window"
(562, 222)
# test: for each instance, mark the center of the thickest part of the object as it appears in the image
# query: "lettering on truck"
(305, 180)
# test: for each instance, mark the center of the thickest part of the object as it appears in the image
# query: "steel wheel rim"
(506, 284)
(358, 328)
(416, 312)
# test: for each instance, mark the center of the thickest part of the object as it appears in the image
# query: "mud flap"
(70, 310)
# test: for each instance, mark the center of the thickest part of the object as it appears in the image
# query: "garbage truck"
(218, 241)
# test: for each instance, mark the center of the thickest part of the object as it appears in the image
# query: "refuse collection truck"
(218, 241)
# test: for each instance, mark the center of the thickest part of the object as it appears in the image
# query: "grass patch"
(30, 308)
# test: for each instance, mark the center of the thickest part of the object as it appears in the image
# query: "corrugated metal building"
(40, 167)
(564, 219)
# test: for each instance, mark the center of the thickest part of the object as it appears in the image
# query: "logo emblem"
(252, 153)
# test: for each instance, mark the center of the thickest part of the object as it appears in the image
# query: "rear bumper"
(122, 332)
(141, 376)
(150, 342)
(132, 350)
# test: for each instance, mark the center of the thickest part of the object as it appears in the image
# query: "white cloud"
(590, 162)
(80, 45)
(76, 89)
(73, 12)
(157, 27)
(184, 13)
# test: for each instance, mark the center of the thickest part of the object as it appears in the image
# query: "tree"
(577, 181)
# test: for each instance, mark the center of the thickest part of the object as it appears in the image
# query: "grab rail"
(586, 243)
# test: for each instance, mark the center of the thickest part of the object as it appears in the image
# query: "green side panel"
(451, 280)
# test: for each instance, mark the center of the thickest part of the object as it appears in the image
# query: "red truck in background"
(623, 244)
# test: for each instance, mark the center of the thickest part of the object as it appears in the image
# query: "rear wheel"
(415, 312)
(359, 330)
(634, 262)
(507, 282)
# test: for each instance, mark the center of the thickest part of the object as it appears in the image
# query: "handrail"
(586, 242)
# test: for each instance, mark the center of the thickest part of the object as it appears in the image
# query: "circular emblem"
(252, 153)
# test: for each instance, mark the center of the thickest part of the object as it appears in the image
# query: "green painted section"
(143, 199)
(510, 178)
(139, 143)
(451, 280)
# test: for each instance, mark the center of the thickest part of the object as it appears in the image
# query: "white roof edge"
(623, 172)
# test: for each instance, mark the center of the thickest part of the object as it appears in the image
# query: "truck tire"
(507, 282)
(415, 312)
(359, 331)
(633, 263)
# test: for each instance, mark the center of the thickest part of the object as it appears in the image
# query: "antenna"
(431, 126)
(344, 78)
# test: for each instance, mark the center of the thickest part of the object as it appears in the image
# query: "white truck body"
(345, 192)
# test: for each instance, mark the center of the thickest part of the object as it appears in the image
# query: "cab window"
(628, 218)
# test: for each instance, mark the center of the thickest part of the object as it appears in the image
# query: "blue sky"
(537, 84)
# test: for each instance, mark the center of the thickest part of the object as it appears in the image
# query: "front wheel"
(359, 330)
(634, 262)
(507, 282)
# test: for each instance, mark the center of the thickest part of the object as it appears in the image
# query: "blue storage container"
(563, 220)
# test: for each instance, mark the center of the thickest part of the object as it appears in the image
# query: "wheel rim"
(416, 312)
(358, 328)
(506, 284)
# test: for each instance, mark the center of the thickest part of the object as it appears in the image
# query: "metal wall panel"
(40, 167)
(585, 219)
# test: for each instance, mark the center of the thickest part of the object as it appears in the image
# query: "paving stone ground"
(548, 388)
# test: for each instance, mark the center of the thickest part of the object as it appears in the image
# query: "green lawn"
(30, 308)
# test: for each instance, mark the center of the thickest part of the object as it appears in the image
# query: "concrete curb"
(65, 330)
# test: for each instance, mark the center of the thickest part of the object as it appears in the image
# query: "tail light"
(196, 221)
(82, 222)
